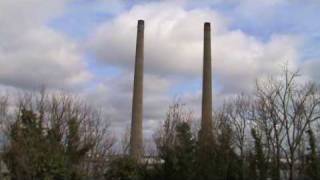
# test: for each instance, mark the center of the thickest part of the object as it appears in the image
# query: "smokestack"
(206, 120)
(136, 138)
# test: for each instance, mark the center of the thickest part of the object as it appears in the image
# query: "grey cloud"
(310, 68)
(33, 54)
(114, 96)
(173, 45)
(171, 35)
(173, 54)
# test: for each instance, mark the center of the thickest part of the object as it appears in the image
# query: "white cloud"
(167, 27)
(114, 95)
(311, 68)
(18, 15)
(241, 59)
(173, 54)
(173, 45)
(32, 53)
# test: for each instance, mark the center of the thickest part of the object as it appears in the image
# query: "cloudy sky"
(87, 47)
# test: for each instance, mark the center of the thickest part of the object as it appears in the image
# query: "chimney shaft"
(136, 137)
(206, 121)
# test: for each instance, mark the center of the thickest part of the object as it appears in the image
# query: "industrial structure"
(136, 137)
(205, 134)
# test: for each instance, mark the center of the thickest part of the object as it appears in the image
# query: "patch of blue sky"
(220, 6)
(185, 86)
(259, 27)
(297, 18)
(99, 69)
(80, 19)
(304, 18)
(77, 26)
(286, 18)
(310, 51)
(190, 86)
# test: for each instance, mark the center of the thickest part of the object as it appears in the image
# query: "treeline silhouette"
(269, 134)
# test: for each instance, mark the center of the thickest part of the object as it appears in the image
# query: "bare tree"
(165, 135)
(125, 141)
(3, 123)
(267, 120)
(239, 114)
(285, 109)
(3, 112)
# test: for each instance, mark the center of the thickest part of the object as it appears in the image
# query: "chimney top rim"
(207, 24)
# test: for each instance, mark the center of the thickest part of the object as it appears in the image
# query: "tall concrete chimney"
(136, 138)
(206, 119)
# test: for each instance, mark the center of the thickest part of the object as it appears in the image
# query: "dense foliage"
(53, 137)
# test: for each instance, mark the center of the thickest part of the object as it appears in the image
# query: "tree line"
(271, 133)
